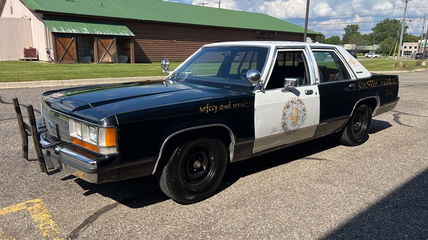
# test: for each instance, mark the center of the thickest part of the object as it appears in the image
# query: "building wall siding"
(16, 9)
(155, 41)
(15, 36)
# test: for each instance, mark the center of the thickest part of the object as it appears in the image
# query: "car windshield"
(224, 65)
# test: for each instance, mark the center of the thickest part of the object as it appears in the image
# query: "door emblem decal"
(293, 115)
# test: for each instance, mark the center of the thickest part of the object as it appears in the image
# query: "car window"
(244, 61)
(225, 65)
(330, 66)
(289, 64)
(207, 64)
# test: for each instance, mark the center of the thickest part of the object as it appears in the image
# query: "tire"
(194, 171)
(356, 131)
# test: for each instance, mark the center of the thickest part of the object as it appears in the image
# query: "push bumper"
(56, 156)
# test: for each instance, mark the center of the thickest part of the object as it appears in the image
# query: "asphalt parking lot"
(316, 190)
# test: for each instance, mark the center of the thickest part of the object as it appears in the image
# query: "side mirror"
(290, 83)
(165, 65)
(253, 76)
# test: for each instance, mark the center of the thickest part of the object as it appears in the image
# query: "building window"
(11, 10)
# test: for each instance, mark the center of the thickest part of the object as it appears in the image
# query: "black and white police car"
(227, 102)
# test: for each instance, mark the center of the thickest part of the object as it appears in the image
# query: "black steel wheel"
(195, 170)
(356, 131)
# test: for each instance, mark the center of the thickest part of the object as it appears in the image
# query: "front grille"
(56, 123)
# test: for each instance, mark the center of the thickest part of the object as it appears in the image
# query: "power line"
(361, 14)
(347, 23)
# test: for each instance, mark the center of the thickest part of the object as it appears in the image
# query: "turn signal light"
(84, 144)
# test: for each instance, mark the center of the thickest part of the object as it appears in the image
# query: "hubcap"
(359, 123)
(198, 165)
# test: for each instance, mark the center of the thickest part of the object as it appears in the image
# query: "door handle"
(352, 86)
(309, 91)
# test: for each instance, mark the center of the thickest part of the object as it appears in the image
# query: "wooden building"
(128, 31)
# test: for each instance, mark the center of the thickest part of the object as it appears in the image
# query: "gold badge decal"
(293, 115)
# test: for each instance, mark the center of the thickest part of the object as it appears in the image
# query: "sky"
(330, 16)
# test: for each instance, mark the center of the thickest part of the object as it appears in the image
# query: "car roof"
(268, 44)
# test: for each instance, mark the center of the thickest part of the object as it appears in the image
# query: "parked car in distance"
(420, 56)
(371, 55)
(226, 103)
(353, 53)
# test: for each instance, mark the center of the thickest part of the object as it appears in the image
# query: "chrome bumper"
(57, 156)
(67, 156)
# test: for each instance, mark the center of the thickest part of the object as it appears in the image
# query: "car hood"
(99, 102)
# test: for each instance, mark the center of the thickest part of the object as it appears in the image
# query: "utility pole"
(425, 45)
(219, 3)
(305, 35)
(403, 23)
(423, 32)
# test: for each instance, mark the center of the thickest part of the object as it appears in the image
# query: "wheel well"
(219, 132)
(371, 102)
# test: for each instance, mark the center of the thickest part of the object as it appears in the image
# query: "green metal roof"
(162, 11)
(60, 26)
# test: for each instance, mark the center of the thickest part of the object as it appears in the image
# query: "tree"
(410, 38)
(387, 46)
(320, 38)
(335, 40)
(368, 38)
(358, 40)
(385, 29)
(350, 30)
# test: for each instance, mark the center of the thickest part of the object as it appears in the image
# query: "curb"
(77, 82)
(400, 71)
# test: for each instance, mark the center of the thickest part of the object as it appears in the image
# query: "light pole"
(305, 34)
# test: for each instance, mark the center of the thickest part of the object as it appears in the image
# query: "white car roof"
(268, 44)
(359, 70)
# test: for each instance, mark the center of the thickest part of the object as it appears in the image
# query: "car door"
(338, 90)
(283, 117)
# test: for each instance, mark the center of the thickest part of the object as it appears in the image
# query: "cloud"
(335, 26)
(383, 5)
(227, 4)
(323, 9)
(329, 16)
(284, 8)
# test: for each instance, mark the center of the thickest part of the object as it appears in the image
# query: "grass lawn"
(14, 71)
(383, 64)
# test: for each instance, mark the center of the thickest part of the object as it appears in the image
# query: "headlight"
(97, 139)
(78, 129)
(93, 134)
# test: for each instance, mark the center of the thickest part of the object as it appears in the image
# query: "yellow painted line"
(41, 217)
